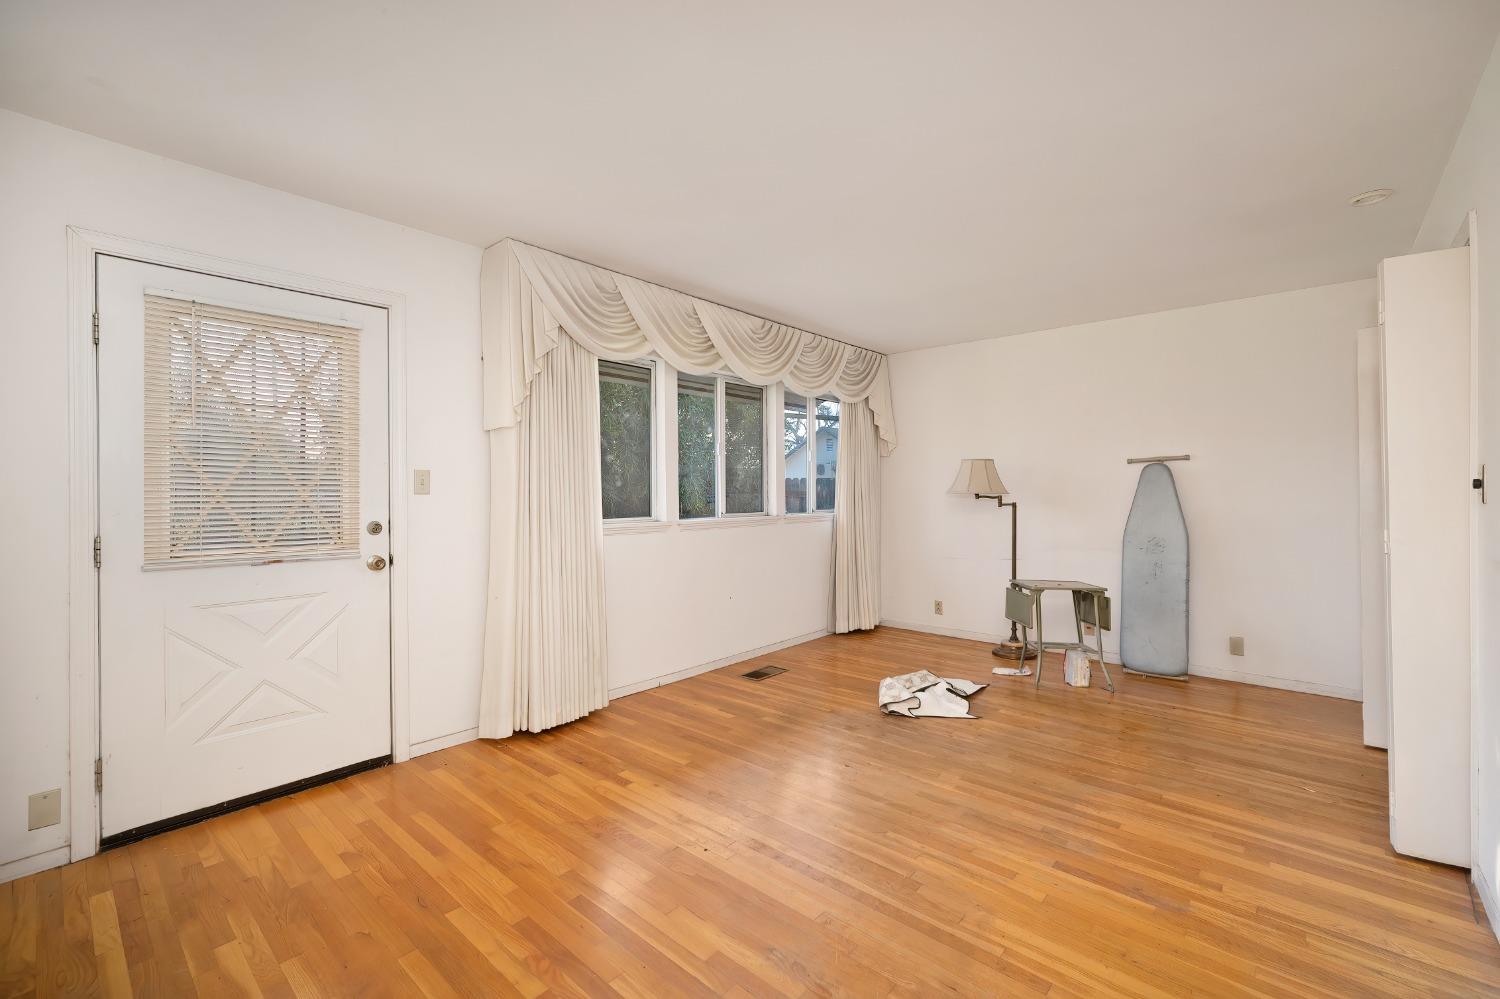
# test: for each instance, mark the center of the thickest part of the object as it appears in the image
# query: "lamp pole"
(1012, 647)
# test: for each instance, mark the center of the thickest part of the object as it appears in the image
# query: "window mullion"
(774, 502)
(719, 447)
(667, 441)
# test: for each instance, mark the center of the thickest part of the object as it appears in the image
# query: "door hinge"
(98, 773)
(1478, 483)
(96, 329)
(98, 552)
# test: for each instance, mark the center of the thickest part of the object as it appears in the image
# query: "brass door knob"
(375, 563)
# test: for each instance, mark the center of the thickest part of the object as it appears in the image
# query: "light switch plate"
(44, 809)
(421, 481)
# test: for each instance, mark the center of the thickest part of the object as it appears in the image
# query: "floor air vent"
(763, 673)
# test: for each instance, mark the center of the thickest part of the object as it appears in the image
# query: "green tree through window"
(625, 439)
(744, 448)
(697, 454)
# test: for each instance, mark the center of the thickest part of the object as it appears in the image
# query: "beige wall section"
(684, 596)
(51, 178)
(1471, 182)
(1261, 392)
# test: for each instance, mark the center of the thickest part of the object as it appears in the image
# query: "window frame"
(721, 443)
(665, 453)
(655, 367)
(812, 454)
(813, 511)
(809, 405)
(676, 449)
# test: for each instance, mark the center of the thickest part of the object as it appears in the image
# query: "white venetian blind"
(251, 435)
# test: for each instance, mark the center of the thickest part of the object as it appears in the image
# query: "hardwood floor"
(724, 837)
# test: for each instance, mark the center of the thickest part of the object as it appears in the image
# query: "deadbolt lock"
(374, 527)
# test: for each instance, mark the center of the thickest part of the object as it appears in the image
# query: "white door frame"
(84, 248)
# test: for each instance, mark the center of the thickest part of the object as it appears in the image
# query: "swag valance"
(528, 294)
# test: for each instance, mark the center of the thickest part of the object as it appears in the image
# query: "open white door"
(244, 624)
(1425, 331)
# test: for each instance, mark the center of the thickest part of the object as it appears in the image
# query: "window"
(697, 447)
(826, 444)
(744, 448)
(251, 436)
(727, 459)
(721, 447)
(625, 442)
(794, 447)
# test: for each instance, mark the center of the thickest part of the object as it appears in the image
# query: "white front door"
(244, 639)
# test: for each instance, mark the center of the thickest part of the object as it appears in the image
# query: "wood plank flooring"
(723, 837)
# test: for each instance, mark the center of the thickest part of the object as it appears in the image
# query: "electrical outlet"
(44, 809)
(937, 607)
(1236, 645)
(421, 481)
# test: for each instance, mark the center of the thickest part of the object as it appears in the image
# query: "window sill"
(734, 520)
(635, 526)
(613, 527)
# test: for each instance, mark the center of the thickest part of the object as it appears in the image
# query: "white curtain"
(544, 320)
(544, 647)
(856, 522)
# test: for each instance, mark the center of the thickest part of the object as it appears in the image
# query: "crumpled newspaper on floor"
(927, 695)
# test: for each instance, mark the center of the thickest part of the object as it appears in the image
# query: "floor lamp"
(979, 477)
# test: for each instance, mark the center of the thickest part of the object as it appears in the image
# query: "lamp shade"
(978, 477)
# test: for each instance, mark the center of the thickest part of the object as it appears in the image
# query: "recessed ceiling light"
(1371, 197)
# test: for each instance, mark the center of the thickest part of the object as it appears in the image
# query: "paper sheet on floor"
(926, 695)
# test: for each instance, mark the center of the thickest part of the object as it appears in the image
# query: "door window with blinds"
(251, 435)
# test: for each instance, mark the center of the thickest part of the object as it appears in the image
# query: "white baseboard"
(1113, 658)
(976, 636)
(34, 863)
(683, 674)
(1279, 682)
(444, 742)
(1488, 897)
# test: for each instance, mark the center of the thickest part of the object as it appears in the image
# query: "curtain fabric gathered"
(856, 522)
(530, 296)
(544, 643)
(544, 319)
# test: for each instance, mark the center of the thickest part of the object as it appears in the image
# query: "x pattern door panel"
(250, 665)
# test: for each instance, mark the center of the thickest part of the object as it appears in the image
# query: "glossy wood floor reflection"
(724, 837)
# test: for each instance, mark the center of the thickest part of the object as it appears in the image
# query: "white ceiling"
(894, 174)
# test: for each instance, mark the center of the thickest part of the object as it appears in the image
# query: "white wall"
(51, 178)
(1472, 181)
(679, 598)
(1261, 393)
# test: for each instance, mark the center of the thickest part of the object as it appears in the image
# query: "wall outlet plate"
(1236, 645)
(44, 809)
(937, 607)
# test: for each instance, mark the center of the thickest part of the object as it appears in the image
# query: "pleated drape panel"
(856, 522)
(544, 656)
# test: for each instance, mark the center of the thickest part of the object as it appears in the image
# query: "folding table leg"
(1099, 644)
(1041, 646)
